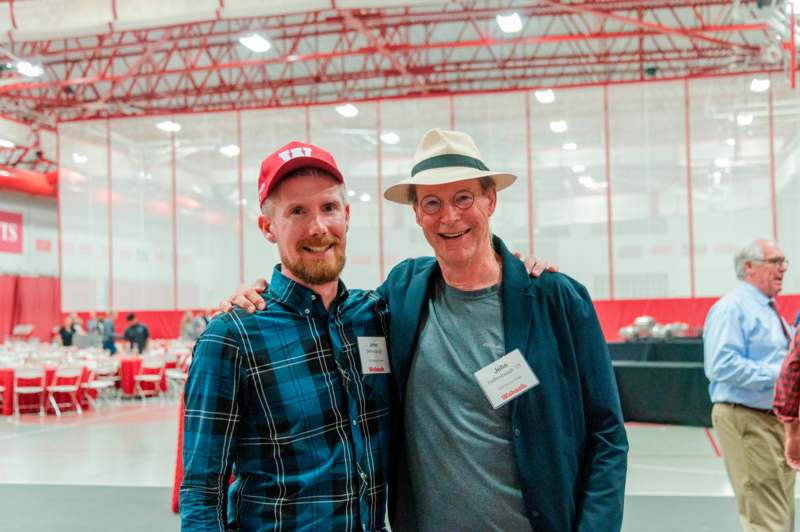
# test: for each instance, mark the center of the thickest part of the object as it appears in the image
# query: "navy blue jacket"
(569, 439)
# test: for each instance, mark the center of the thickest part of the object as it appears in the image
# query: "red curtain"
(30, 300)
(8, 294)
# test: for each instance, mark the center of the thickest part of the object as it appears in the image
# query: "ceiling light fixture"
(231, 150)
(365, 197)
(347, 110)
(390, 137)
(79, 158)
(5, 143)
(509, 23)
(255, 43)
(578, 168)
(744, 119)
(759, 85)
(558, 126)
(26, 68)
(545, 96)
(169, 126)
(569, 146)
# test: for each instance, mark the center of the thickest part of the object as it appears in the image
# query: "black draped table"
(662, 381)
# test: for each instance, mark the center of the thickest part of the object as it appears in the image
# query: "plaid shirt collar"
(302, 299)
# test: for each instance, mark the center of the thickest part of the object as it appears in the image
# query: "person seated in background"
(186, 329)
(109, 334)
(136, 334)
(67, 331)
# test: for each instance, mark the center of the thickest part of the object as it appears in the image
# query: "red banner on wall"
(10, 232)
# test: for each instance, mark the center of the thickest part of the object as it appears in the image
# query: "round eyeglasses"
(463, 199)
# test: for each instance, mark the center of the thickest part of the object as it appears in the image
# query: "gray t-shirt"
(461, 460)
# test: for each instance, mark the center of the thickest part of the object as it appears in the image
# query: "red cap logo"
(291, 157)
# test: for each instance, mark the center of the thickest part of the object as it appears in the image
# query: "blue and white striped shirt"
(278, 398)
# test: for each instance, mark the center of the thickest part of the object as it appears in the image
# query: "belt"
(768, 412)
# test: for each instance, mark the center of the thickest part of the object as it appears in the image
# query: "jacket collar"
(517, 307)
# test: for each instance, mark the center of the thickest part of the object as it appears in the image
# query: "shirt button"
(308, 312)
(534, 513)
(363, 476)
(313, 297)
(355, 422)
(516, 432)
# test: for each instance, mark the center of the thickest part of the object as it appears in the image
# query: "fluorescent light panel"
(347, 110)
(255, 43)
(169, 126)
(545, 96)
(390, 137)
(231, 150)
(509, 23)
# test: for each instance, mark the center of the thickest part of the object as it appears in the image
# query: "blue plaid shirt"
(278, 399)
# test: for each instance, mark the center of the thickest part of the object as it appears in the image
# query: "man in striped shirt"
(284, 399)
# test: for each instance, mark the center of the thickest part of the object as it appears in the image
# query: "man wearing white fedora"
(506, 412)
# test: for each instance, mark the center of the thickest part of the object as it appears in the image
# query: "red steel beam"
(658, 28)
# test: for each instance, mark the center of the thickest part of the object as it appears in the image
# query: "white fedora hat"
(445, 157)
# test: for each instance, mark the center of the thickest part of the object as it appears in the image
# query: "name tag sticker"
(506, 378)
(374, 355)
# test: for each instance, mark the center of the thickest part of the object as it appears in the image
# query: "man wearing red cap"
(292, 400)
(505, 406)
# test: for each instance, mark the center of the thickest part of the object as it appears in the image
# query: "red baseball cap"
(291, 157)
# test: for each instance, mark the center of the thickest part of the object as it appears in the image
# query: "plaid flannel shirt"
(278, 399)
(787, 388)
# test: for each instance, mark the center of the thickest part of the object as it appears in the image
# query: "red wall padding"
(37, 300)
(621, 312)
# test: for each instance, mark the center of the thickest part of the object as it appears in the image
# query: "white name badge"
(506, 378)
(374, 355)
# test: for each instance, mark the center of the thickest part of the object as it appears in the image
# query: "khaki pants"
(752, 446)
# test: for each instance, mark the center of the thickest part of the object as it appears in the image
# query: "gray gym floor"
(113, 470)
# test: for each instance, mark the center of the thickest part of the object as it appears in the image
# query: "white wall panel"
(84, 196)
(730, 166)
(730, 176)
(570, 219)
(141, 219)
(649, 204)
(207, 209)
